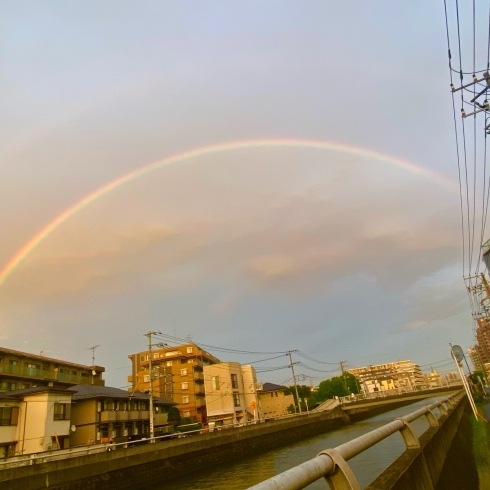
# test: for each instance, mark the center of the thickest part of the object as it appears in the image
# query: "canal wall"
(443, 461)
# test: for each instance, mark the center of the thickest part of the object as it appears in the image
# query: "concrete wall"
(443, 462)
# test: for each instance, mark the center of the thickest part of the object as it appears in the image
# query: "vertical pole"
(465, 384)
(341, 364)
(93, 360)
(150, 391)
(294, 380)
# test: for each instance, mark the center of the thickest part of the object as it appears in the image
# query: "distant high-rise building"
(483, 338)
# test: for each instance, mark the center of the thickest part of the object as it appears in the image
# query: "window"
(190, 350)
(33, 366)
(236, 399)
(9, 415)
(156, 355)
(24, 386)
(183, 372)
(215, 382)
(144, 358)
(146, 378)
(172, 353)
(169, 363)
(184, 361)
(61, 411)
(185, 399)
(185, 386)
(234, 381)
(186, 413)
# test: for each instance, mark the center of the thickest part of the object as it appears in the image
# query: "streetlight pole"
(291, 365)
(150, 391)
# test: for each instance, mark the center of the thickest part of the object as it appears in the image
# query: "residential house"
(100, 412)
(34, 420)
(231, 393)
(177, 374)
(273, 401)
(21, 370)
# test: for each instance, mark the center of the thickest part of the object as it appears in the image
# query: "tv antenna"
(93, 360)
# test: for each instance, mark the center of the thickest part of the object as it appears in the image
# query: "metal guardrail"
(331, 464)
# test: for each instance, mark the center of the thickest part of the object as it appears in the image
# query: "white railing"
(331, 464)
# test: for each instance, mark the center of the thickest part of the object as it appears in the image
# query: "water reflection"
(254, 469)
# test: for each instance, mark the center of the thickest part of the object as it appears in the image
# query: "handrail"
(324, 463)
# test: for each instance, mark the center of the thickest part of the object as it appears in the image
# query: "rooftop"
(4, 350)
(272, 387)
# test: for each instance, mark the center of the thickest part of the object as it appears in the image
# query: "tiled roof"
(272, 387)
(84, 392)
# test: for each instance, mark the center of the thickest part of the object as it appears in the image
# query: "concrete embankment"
(141, 466)
(443, 461)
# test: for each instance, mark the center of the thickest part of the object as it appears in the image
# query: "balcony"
(138, 415)
(122, 416)
(198, 376)
(108, 416)
(48, 375)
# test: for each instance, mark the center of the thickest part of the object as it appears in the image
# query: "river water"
(254, 469)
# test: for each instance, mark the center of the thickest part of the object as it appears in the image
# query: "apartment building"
(434, 379)
(402, 375)
(273, 401)
(34, 420)
(100, 412)
(177, 374)
(231, 393)
(21, 370)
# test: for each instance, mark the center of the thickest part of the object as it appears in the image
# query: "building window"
(61, 411)
(169, 363)
(236, 399)
(183, 372)
(9, 415)
(172, 353)
(143, 358)
(184, 361)
(146, 378)
(234, 381)
(156, 355)
(185, 386)
(186, 413)
(215, 382)
(185, 399)
(190, 350)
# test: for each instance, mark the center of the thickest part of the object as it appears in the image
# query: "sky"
(265, 248)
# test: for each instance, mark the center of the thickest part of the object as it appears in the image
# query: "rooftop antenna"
(93, 360)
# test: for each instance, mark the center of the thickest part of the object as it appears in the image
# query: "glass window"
(215, 382)
(9, 415)
(234, 381)
(236, 399)
(190, 350)
(185, 399)
(146, 378)
(185, 386)
(183, 372)
(61, 411)
(186, 413)
(169, 363)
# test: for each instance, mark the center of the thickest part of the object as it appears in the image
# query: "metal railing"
(331, 464)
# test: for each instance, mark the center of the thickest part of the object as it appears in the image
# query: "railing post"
(442, 410)
(342, 477)
(409, 436)
(431, 418)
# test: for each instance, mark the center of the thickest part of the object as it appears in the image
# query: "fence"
(323, 465)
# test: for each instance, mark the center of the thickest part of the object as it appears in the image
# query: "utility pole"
(291, 365)
(150, 391)
(93, 360)
(341, 364)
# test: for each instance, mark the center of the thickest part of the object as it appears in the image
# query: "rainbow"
(187, 156)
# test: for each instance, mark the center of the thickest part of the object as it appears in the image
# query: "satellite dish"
(94, 373)
(73, 428)
(458, 353)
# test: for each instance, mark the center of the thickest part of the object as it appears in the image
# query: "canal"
(254, 469)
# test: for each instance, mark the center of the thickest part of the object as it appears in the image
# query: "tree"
(304, 392)
(291, 409)
(337, 386)
(173, 416)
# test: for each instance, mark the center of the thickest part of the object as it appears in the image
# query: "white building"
(34, 420)
(231, 393)
(400, 375)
